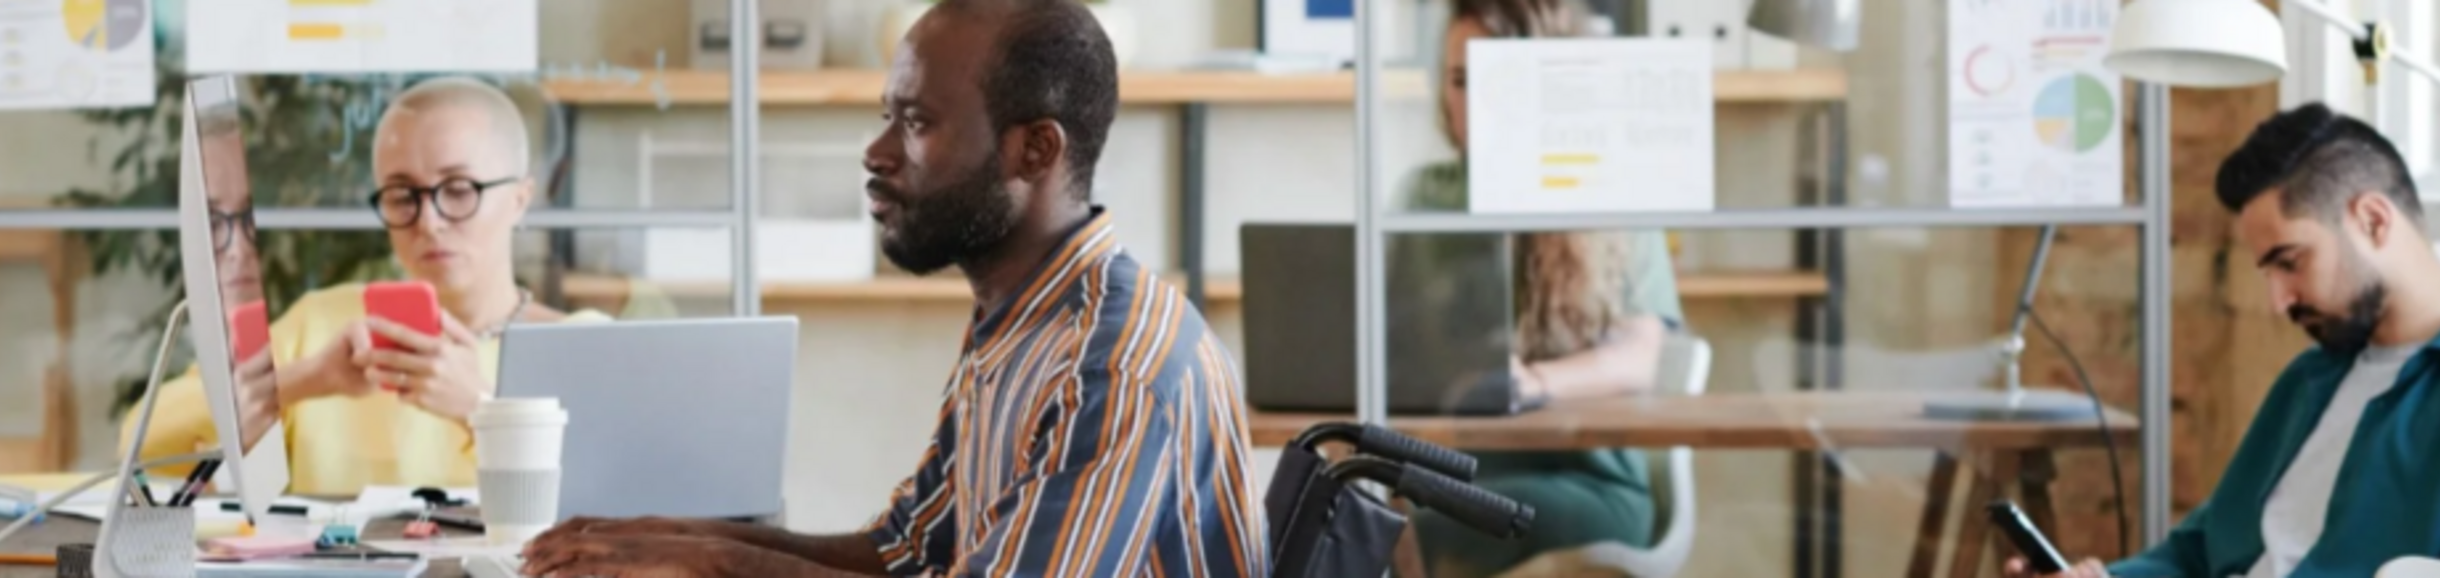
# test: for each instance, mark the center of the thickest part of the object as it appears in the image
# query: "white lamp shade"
(2198, 43)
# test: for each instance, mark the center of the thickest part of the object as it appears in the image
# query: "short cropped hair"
(1055, 63)
(507, 123)
(2317, 160)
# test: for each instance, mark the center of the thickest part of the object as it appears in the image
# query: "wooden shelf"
(846, 87)
(1218, 290)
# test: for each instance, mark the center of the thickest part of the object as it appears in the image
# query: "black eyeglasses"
(227, 227)
(455, 199)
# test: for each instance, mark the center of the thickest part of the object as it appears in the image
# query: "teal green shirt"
(1651, 290)
(2387, 500)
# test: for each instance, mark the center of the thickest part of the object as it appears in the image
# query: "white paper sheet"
(1614, 124)
(362, 36)
(75, 53)
(2034, 119)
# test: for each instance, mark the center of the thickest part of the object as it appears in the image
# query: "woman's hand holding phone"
(442, 374)
(331, 371)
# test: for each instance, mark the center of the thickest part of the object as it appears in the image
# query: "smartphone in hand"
(249, 330)
(2040, 556)
(411, 304)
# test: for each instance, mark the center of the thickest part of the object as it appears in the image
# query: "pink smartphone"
(408, 303)
(249, 330)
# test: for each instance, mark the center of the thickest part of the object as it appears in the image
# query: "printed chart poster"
(2033, 117)
(75, 53)
(1600, 125)
(362, 36)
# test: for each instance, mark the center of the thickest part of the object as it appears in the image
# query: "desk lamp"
(2016, 402)
(1833, 24)
(2230, 43)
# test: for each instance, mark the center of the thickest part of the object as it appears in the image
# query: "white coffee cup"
(517, 443)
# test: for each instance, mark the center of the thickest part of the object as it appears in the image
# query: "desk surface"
(46, 538)
(1789, 420)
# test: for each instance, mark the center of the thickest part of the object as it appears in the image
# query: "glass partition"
(628, 212)
(1821, 393)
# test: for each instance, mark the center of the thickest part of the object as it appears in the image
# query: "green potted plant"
(302, 150)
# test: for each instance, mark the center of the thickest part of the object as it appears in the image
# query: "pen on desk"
(362, 556)
(468, 523)
(28, 560)
(276, 509)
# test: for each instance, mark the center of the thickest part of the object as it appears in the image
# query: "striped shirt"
(1092, 428)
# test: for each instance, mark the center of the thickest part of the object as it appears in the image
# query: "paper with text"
(362, 36)
(1575, 125)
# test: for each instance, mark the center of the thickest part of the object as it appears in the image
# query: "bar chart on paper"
(75, 53)
(362, 36)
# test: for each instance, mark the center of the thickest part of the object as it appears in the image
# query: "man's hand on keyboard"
(613, 555)
(647, 526)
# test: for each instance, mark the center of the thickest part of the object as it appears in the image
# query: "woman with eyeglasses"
(451, 159)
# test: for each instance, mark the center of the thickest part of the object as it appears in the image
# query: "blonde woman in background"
(451, 157)
(1592, 309)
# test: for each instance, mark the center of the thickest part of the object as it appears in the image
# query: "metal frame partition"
(745, 118)
(1374, 223)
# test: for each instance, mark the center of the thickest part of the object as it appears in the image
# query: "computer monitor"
(224, 292)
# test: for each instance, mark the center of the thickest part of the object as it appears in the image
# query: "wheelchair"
(1323, 525)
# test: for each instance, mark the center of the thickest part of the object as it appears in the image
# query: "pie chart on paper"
(103, 25)
(2074, 113)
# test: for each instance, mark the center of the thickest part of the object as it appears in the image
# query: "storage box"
(791, 34)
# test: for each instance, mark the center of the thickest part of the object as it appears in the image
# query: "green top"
(1651, 290)
(2383, 506)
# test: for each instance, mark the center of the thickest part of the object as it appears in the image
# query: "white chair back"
(1685, 368)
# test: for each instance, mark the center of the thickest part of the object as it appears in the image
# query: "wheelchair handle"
(1389, 444)
(1477, 508)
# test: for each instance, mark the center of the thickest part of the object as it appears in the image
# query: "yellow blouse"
(336, 445)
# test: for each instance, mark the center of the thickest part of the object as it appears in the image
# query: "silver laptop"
(683, 418)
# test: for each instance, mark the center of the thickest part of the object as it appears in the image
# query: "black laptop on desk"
(1450, 321)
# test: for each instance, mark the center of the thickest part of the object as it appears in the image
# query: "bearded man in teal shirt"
(2337, 474)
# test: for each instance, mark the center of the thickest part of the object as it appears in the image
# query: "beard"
(957, 222)
(2348, 332)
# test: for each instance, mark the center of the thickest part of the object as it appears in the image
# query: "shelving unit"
(850, 87)
(1218, 290)
(1191, 93)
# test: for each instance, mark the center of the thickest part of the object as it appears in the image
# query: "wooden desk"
(1997, 452)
